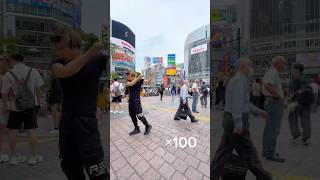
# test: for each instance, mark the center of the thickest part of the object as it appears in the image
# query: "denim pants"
(195, 98)
(274, 108)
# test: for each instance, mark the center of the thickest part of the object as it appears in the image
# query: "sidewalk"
(148, 157)
(301, 161)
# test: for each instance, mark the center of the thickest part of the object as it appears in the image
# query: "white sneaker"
(120, 112)
(15, 160)
(111, 111)
(35, 160)
(4, 158)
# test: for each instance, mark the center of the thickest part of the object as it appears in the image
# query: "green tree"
(7, 45)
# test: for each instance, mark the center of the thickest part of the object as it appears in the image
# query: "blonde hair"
(71, 37)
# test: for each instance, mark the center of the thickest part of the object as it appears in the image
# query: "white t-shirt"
(114, 86)
(195, 86)
(315, 88)
(272, 77)
(9, 84)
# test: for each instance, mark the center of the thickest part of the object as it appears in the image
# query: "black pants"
(135, 112)
(81, 148)
(243, 146)
(203, 100)
(161, 94)
(184, 107)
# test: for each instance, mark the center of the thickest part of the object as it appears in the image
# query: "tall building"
(197, 54)
(122, 47)
(32, 23)
(285, 27)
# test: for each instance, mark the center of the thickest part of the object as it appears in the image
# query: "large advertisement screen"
(122, 53)
(123, 32)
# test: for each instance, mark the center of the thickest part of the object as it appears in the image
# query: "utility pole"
(238, 40)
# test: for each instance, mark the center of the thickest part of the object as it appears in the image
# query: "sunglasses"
(56, 39)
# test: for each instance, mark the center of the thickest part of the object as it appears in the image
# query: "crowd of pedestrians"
(268, 98)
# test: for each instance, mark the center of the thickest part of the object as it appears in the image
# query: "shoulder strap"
(28, 74)
(14, 76)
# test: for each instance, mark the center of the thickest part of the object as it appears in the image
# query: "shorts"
(117, 99)
(28, 118)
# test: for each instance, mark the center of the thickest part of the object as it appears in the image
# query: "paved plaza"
(148, 157)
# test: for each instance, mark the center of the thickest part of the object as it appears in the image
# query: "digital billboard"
(171, 61)
(123, 32)
(122, 53)
(157, 60)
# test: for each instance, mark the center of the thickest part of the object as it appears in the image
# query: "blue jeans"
(195, 98)
(274, 108)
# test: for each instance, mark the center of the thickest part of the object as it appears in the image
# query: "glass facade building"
(290, 28)
(32, 24)
(197, 55)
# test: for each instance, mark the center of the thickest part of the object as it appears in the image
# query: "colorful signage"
(171, 61)
(147, 62)
(218, 15)
(171, 72)
(218, 36)
(199, 49)
(122, 53)
(157, 60)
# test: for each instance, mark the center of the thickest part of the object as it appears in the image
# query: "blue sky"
(161, 26)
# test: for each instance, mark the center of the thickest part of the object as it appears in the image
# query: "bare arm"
(271, 90)
(149, 80)
(73, 67)
(132, 83)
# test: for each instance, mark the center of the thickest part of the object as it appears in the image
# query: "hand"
(264, 114)
(237, 131)
(96, 49)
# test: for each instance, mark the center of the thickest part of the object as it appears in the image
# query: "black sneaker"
(148, 129)
(194, 121)
(296, 139)
(177, 119)
(306, 142)
(135, 131)
(276, 159)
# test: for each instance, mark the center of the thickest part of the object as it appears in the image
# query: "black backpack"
(305, 95)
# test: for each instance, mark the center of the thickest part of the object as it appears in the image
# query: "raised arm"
(150, 79)
(133, 82)
(62, 71)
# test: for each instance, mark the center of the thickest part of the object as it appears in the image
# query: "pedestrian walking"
(195, 95)
(54, 101)
(116, 94)
(256, 93)
(184, 107)
(21, 93)
(160, 90)
(204, 95)
(79, 75)
(236, 135)
(301, 95)
(173, 93)
(273, 105)
(220, 95)
(135, 109)
(4, 148)
(316, 95)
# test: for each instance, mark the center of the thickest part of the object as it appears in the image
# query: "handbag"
(234, 169)
(183, 115)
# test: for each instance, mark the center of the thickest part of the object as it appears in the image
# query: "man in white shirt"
(316, 92)
(184, 103)
(274, 105)
(195, 95)
(116, 93)
(20, 73)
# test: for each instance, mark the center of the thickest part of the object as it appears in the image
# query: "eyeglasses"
(56, 39)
